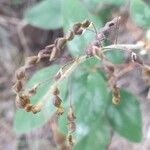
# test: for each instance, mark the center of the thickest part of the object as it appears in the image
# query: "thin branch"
(124, 47)
(67, 70)
(64, 74)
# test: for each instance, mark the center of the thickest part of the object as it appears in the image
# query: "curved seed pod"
(60, 110)
(116, 95)
(53, 53)
(28, 107)
(70, 36)
(86, 24)
(79, 31)
(36, 108)
(22, 101)
(20, 73)
(115, 100)
(57, 101)
(31, 60)
(70, 140)
(55, 91)
(71, 116)
(18, 86)
(60, 43)
(76, 27)
(71, 127)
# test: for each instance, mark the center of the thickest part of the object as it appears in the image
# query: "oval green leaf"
(45, 15)
(140, 13)
(125, 118)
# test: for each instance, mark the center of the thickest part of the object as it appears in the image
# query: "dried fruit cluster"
(51, 52)
(95, 49)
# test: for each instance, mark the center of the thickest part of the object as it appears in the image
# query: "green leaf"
(125, 118)
(89, 96)
(74, 11)
(140, 13)
(24, 121)
(45, 15)
(97, 136)
(97, 5)
(115, 56)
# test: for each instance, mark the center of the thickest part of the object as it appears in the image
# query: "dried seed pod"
(70, 140)
(22, 101)
(71, 116)
(53, 54)
(31, 60)
(71, 127)
(60, 43)
(86, 24)
(60, 110)
(116, 95)
(55, 91)
(79, 32)
(28, 107)
(70, 36)
(116, 100)
(57, 101)
(18, 86)
(49, 47)
(76, 27)
(20, 73)
(36, 108)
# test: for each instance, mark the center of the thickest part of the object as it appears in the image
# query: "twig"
(64, 74)
(124, 47)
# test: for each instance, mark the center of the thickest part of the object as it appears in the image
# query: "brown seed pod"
(116, 100)
(76, 27)
(53, 53)
(28, 107)
(60, 43)
(71, 116)
(71, 127)
(36, 108)
(31, 60)
(55, 91)
(18, 86)
(57, 101)
(22, 101)
(70, 140)
(116, 95)
(20, 73)
(70, 36)
(60, 110)
(86, 24)
(79, 32)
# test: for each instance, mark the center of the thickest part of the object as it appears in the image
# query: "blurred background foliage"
(37, 23)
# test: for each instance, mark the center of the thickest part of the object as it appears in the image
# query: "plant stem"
(67, 70)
